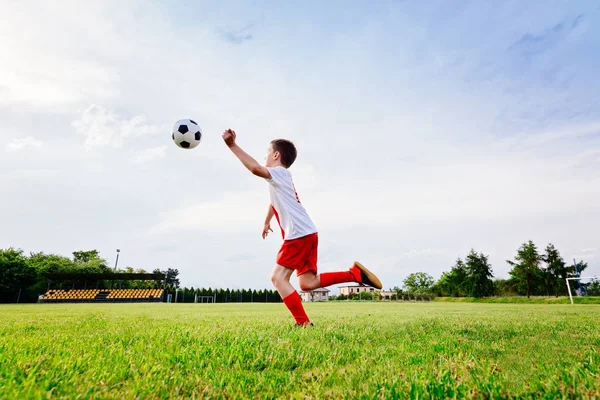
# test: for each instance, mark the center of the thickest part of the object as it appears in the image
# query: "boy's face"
(271, 157)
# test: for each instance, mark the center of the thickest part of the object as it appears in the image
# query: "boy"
(300, 237)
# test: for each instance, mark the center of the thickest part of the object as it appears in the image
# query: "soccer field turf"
(355, 350)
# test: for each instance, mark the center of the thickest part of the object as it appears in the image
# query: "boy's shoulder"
(279, 173)
(279, 169)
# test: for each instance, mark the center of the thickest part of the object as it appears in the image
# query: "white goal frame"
(204, 299)
(578, 278)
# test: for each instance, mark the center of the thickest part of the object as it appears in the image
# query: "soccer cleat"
(307, 323)
(367, 278)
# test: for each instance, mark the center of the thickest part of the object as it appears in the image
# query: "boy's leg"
(357, 273)
(309, 280)
(281, 280)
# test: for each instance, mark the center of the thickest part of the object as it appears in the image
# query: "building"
(320, 294)
(386, 295)
(356, 289)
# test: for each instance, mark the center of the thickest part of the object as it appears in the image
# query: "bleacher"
(101, 295)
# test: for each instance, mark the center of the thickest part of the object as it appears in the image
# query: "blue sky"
(424, 130)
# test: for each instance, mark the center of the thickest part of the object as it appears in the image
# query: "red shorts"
(300, 254)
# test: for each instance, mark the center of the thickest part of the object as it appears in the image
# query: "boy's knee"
(309, 283)
(274, 279)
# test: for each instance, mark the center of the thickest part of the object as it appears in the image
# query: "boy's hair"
(286, 149)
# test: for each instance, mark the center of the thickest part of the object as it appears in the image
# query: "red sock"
(294, 304)
(331, 278)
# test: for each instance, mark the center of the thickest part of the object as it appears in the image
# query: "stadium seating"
(101, 295)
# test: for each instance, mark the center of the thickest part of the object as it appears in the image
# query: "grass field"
(522, 300)
(355, 350)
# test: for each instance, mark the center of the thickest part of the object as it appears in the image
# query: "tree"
(364, 296)
(46, 265)
(15, 273)
(526, 266)
(171, 279)
(593, 289)
(504, 287)
(418, 282)
(452, 283)
(90, 262)
(479, 275)
(397, 291)
(556, 272)
(85, 256)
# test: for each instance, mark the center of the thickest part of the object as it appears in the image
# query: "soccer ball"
(186, 133)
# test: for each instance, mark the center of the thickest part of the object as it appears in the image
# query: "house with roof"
(320, 294)
(349, 290)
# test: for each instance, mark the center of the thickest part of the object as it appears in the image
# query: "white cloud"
(45, 67)
(20, 174)
(407, 159)
(25, 143)
(416, 253)
(229, 212)
(146, 155)
(102, 127)
(588, 254)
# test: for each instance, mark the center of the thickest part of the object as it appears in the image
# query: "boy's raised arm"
(250, 163)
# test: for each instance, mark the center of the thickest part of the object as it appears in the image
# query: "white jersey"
(290, 213)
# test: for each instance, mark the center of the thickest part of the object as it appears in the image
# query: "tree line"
(533, 273)
(24, 277)
(188, 295)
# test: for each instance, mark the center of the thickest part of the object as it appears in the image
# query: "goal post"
(579, 278)
(204, 299)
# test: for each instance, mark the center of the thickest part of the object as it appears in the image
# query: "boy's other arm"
(249, 162)
(270, 215)
(268, 219)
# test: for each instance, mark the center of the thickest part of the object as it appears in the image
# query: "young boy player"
(300, 238)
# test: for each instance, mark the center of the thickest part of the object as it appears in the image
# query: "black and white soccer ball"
(186, 133)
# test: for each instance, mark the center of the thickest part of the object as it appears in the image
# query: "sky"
(424, 130)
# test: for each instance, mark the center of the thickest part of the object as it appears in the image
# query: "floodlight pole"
(117, 261)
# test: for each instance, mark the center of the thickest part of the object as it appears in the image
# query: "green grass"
(356, 350)
(522, 300)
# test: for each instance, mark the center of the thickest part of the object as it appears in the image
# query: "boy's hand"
(229, 137)
(266, 230)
